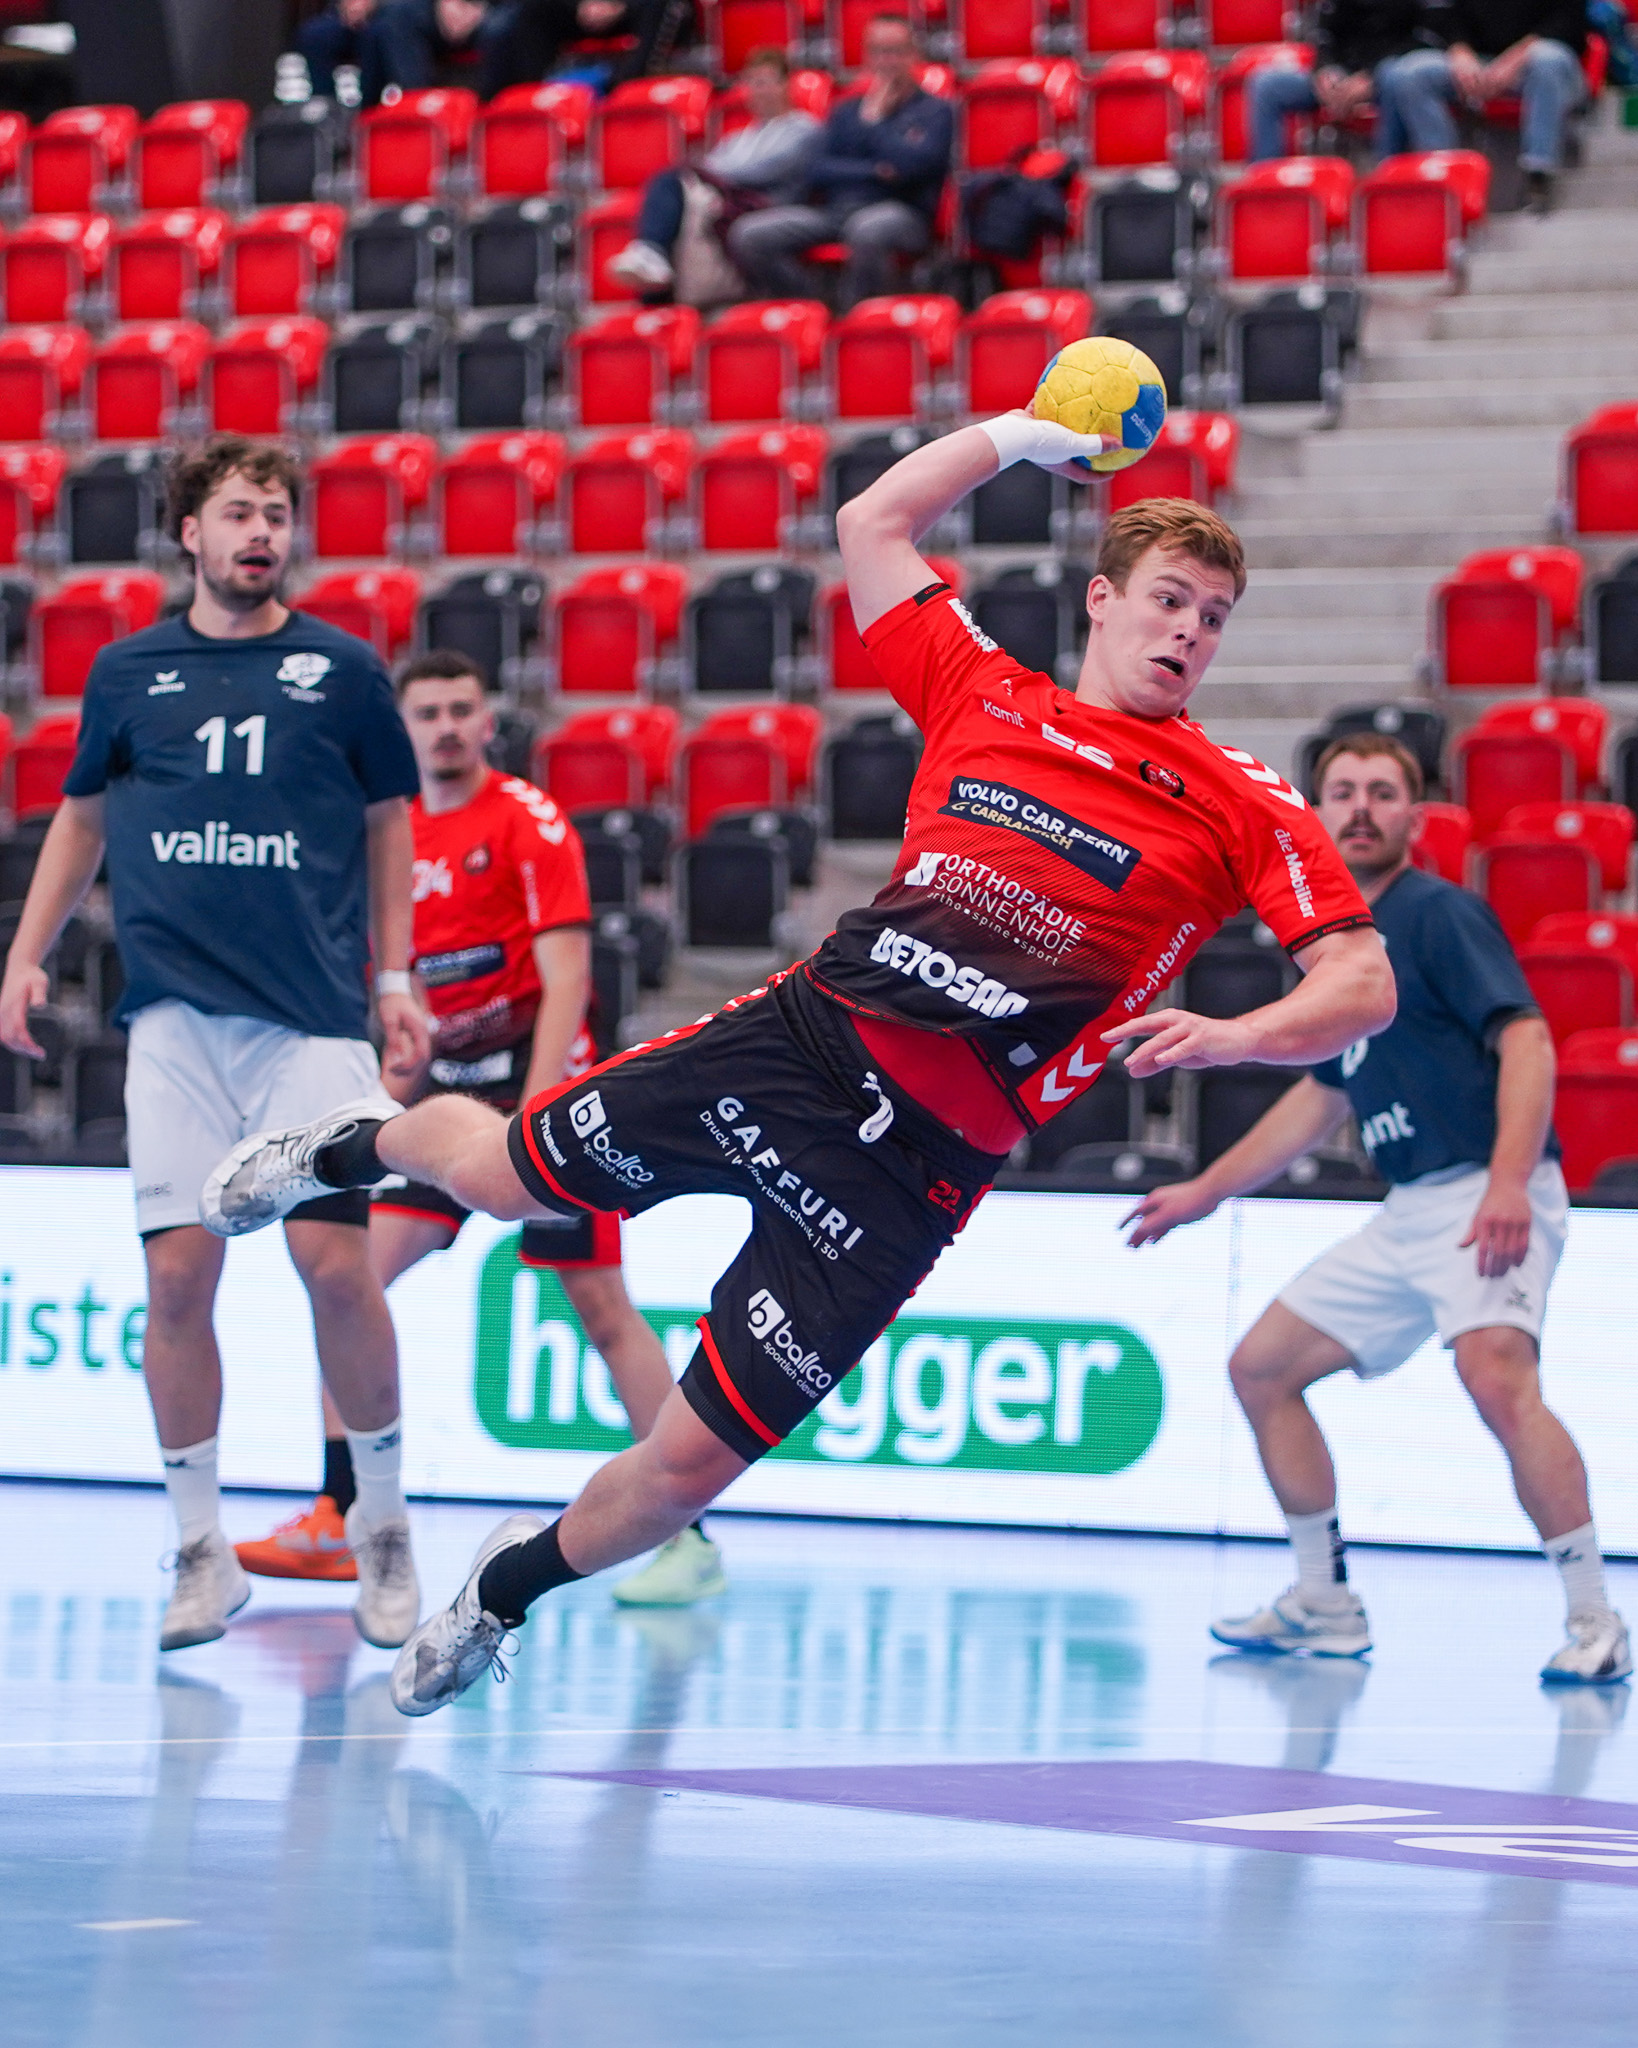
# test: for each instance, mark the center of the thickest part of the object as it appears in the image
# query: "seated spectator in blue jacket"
(342, 35)
(1353, 41)
(875, 184)
(421, 43)
(1497, 48)
(766, 162)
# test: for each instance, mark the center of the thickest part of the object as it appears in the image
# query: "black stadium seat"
(614, 988)
(293, 151)
(865, 777)
(378, 381)
(111, 510)
(652, 827)
(1291, 348)
(396, 259)
(1417, 726)
(614, 868)
(746, 633)
(1612, 626)
(856, 467)
(652, 933)
(1229, 1100)
(516, 255)
(1141, 231)
(497, 374)
(492, 616)
(1037, 613)
(1019, 507)
(731, 890)
(796, 827)
(1234, 972)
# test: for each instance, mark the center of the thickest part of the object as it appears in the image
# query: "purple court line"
(1304, 1813)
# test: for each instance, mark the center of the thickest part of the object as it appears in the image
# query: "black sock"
(699, 1530)
(338, 1473)
(521, 1574)
(351, 1162)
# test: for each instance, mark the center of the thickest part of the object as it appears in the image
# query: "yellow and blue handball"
(1104, 386)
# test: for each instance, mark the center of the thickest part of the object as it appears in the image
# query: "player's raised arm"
(878, 530)
(69, 858)
(408, 1044)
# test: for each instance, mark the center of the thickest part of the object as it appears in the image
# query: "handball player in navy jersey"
(1066, 851)
(1454, 1104)
(246, 772)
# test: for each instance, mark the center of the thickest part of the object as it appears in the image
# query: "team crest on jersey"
(304, 669)
(476, 861)
(1157, 777)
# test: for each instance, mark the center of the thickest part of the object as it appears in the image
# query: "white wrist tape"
(1018, 437)
(392, 981)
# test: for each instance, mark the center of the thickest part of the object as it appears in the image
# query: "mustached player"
(247, 772)
(1454, 1103)
(1066, 851)
(503, 950)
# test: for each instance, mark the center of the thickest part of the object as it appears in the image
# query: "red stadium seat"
(186, 151)
(277, 259)
(1279, 219)
(1580, 723)
(1125, 24)
(847, 666)
(1447, 833)
(1498, 621)
(1228, 23)
(1005, 345)
(611, 625)
(1001, 28)
(1494, 772)
(1595, 1112)
(75, 155)
(364, 495)
(623, 370)
(261, 372)
(1233, 132)
(1526, 876)
(887, 354)
(49, 262)
(159, 263)
(1013, 104)
(87, 613)
(1604, 829)
(42, 370)
(599, 758)
(734, 28)
(750, 487)
(41, 763)
(1193, 457)
(718, 773)
(1601, 472)
(1413, 214)
(1140, 106)
(758, 361)
(647, 125)
(1578, 988)
(495, 495)
(606, 226)
(14, 132)
(377, 604)
(527, 136)
(30, 482)
(405, 151)
(792, 730)
(622, 486)
(142, 377)
(1600, 931)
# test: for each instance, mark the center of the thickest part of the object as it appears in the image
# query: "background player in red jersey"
(1065, 853)
(503, 952)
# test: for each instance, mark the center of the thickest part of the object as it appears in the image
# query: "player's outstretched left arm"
(407, 1040)
(1346, 993)
(1524, 1113)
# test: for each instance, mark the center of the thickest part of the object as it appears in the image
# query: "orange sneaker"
(309, 1546)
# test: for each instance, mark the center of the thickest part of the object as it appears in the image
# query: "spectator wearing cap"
(875, 184)
(1353, 41)
(1497, 48)
(765, 163)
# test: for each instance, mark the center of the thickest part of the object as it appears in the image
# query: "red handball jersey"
(488, 878)
(1061, 862)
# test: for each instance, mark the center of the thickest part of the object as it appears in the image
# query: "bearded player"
(1066, 852)
(503, 950)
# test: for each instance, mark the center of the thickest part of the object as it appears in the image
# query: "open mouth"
(1167, 662)
(254, 560)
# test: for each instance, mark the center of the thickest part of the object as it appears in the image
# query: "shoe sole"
(215, 1635)
(1594, 1678)
(706, 1592)
(384, 1642)
(410, 1706)
(1318, 1646)
(341, 1571)
(210, 1195)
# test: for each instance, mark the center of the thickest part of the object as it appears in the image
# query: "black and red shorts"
(854, 1190)
(497, 1078)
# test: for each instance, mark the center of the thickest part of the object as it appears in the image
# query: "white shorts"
(195, 1085)
(1384, 1291)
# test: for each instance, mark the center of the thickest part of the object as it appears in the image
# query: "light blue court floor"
(899, 1786)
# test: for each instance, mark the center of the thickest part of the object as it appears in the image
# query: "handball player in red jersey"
(502, 950)
(1065, 854)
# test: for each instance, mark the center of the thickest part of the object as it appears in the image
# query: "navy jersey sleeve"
(97, 754)
(379, 750)
(1463, 952)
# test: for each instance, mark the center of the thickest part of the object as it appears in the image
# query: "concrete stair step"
(1509, 363)
(1607, 185)
(1288, 643)
(1388, 544)
(1318, 598)
(1546, 401)
(1570, 229)
(1608, 144)
(1419, 494)
(1511, 316)
(1610, 266)
(1476, 456)
(1308, 693)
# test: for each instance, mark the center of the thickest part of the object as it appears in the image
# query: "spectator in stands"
(1497, 48)
(875, 184)
(1353, 40)
(421, 43)
(543, 34)
(765, 163)
(342, 34)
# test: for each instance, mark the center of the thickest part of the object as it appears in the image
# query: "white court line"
(130, 1926)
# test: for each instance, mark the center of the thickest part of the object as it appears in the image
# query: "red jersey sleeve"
(1284, 861)
(551, 865)
(930, 653)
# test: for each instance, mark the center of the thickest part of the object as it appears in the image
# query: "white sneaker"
(1291, 1624)
(641, 263)
(210, 1586)
(457, 1646)
(1595, 1652)
(389, 1594)
(686, 1569)
(265, 1177)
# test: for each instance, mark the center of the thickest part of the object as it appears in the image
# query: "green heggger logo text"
(1011, 1394)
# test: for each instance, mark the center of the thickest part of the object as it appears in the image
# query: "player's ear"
(1098, 593)
(188, 534)
(1418, 823)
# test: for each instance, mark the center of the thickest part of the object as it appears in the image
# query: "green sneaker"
(686, 1569)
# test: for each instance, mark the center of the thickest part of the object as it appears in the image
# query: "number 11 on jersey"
(213, 733)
